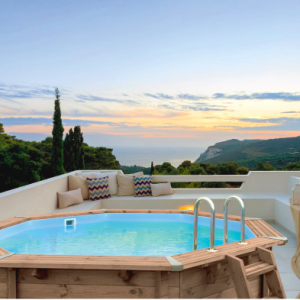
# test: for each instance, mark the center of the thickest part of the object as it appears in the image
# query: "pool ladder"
(212, 221)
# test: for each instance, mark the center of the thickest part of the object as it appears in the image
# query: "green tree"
(69, 163)
(19, 165)
(99, 158)
(264, 167)
(57, 158)
(242, 171)
(211, 169)
(185, 164)
(1, 128)
(214, 185)
(198, 171)
(152, 168)
(227, 168)
(293, 166)
(78, 149)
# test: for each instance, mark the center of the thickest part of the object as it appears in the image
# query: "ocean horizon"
(143, 156)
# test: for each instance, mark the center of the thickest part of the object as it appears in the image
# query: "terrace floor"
(283, 256)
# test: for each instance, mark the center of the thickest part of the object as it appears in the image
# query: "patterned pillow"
(142, 185)
(98, 188)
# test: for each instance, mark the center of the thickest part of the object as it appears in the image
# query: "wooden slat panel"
(174, 292)
(3, 276)
(3, 290)
(11, 283)
(174, 279)
(43, 291)
(88, 277)
(165, 284)
(231, 293)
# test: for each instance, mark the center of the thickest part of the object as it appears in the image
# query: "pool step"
(266, 267)
(258, 268)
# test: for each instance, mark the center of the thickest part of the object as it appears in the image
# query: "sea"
(143, 156)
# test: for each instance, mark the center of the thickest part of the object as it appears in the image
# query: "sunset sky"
(155, 73)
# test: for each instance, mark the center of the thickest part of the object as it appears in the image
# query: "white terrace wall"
(35, 198)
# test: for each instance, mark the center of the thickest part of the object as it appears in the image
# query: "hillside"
(249, 152)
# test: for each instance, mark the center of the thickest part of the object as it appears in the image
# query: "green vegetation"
(57, 157)
(73, 150)
(277, 152)
(22, 162)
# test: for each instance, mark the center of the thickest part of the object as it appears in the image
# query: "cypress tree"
(78, 148)
(57, 157)
(152, 169)
(69, 162)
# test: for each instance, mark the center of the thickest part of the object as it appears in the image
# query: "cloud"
(281, 124)
(196, 107)
(101, 99)
(24, 92)
(291, 112)
(151, 95)
(202, 108)
(190, 97)
(165, 96)
(260, 96)
(49, 122)
(269, 120)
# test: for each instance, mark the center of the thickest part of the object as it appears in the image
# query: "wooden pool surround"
(198, 274)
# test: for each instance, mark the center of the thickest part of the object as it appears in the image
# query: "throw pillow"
(142, 185)
(66, 199)
(161, 189)
(126, 185)
(76, 182)
(98, 188)
(112, 179)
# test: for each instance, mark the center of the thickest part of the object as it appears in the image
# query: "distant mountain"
(250, 150)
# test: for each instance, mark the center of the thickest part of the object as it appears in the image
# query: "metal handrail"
(242, 242)
(212, 223)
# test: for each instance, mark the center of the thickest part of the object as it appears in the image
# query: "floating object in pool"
(186, 207)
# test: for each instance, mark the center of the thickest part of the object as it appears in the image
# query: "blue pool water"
(115, 234)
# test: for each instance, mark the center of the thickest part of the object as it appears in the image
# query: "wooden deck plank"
(88, 277)
(82, 291)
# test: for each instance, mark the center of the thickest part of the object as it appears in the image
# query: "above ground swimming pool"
(115, 234)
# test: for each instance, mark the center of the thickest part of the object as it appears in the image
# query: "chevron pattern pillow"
(98, 188)
(142, 185)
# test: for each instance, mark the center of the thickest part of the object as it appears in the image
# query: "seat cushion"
(126, 185)
(160, 189)
(66, 199)
(76, 182)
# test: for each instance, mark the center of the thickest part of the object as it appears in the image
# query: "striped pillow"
(142, 185)
(98, 188)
